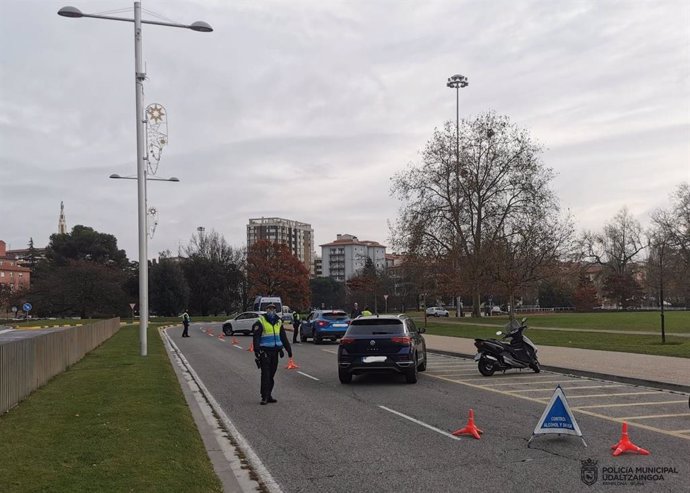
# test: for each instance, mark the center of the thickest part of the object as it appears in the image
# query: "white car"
(241, 323)
(437, 311)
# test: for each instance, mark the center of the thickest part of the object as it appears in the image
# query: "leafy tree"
(461, 207)
(82, 288)
(585, 295)
(369, 285)
(168, 289)
(555, 292)
(273, 270)
(624, 288)
(327, 291)
(82, 275)
(84, 243)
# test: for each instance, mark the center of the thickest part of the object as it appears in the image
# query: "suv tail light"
(346, 340)
(321, 323)
(404, 340)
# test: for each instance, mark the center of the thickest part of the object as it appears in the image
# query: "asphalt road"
(381, 434)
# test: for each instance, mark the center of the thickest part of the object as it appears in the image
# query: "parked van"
(261, 302)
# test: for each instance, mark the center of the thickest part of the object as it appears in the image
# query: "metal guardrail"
(27, 364)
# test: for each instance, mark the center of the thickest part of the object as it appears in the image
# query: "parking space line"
(657, 416)
(421, 423)
(309, 376)
(681, 431)
(570, 397)
(550, 389)
(238, 347)
(631, 404)
(330, 351)
(524, 383)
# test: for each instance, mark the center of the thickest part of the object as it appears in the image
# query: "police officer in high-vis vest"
(270, 340)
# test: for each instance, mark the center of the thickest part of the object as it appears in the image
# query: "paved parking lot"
(657, 410)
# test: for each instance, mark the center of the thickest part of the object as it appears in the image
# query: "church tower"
(62, 224)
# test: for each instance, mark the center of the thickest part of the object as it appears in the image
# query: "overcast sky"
(305, 109)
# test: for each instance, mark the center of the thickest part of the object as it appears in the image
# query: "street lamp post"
(139, 76)
(456, 82)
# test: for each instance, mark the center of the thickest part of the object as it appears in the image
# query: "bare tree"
(615, 249)
(462, 207)
(669, 257)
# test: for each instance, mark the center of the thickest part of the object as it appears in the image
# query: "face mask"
(271, 317)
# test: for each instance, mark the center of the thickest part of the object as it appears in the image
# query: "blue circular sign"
(27, 307)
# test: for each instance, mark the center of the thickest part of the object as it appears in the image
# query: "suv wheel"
(302, 337)
(344, 376)
(317, 340)
(411, 374)
(228, 331)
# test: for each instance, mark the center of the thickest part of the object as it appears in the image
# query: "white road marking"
(550, 389)
(609, 395)
(330, 351)
(444, 433)
(309, 376)
(631, 404)
(238, 347)
(656, 416)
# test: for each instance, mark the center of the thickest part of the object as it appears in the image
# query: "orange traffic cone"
(210, 332)
(221, 337)
(291, 365)
(470, 428)
(251, 347)
(625, 445)
(234, 340)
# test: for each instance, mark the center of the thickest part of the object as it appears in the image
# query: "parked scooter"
(519, 352)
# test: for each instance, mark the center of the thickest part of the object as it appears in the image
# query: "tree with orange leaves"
(272, 270)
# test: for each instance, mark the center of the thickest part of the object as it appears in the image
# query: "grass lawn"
(630, 343)
(112, 422)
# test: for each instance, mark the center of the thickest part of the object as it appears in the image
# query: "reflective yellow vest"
(366, 313)
(270, 337)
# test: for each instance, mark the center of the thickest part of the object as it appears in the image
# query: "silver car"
(437, 311)
(241, 323)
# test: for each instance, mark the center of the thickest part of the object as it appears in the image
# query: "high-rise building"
(299, 237)
(347, 255)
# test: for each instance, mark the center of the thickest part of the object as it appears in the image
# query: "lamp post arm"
(124, 19)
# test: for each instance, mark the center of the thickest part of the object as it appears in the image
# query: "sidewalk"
(643, 369)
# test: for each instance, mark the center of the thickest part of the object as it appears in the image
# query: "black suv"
(382, 343)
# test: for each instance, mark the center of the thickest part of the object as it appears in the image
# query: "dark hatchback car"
(385, 343)
(324, 324)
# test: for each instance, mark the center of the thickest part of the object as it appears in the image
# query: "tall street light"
(456, 82)
(139, 76)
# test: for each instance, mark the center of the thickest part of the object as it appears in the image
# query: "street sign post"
(131, 306)
(27, 308)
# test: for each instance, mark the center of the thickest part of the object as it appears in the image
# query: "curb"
(591, 374)
(257, 477)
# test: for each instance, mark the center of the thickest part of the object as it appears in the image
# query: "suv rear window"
(334, 315)
(376, 326)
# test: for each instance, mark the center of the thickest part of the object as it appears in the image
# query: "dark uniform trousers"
(269, 365)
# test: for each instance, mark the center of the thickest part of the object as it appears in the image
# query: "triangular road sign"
(557, 418)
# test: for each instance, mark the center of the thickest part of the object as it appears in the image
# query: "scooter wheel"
(535, 366)
(486, 367)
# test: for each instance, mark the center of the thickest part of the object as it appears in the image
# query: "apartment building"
(11, 273)
(347, 255)
(299, 237)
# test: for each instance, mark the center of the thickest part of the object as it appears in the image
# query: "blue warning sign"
(557, 417)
